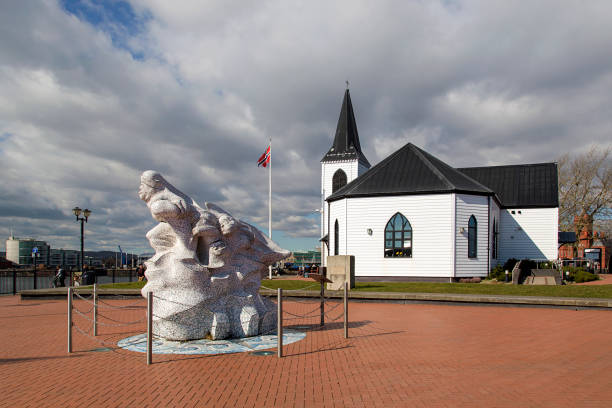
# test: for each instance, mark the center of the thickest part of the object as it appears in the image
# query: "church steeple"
(346, 143)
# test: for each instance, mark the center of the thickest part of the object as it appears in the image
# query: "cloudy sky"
(93, 92)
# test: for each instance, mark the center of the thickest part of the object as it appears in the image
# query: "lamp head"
(76, 211)
(86, 213)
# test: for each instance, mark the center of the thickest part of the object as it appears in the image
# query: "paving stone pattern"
(398, 356)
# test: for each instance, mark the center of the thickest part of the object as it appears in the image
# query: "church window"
(338, 180)
(494, 244)
(472, 237)
(336, 238)
(398, 237)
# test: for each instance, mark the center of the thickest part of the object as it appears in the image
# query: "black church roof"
(410, 170)
(346, 143)
(520, 185)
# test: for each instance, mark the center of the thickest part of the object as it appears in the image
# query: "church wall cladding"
(351, 169)
(468, 205)
(432, 234)
(529, 233)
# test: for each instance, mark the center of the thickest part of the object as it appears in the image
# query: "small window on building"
(472, 237)
(336, 238)
(398, 237)
(338, 180)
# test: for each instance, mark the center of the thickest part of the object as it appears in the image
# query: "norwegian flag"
(265, 158)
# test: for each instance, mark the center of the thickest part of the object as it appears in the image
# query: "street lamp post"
(86, 213)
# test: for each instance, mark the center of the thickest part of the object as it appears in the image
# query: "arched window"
(336, 238)
(472, 237)
(494, 244)
(339, 180)
(398, 237)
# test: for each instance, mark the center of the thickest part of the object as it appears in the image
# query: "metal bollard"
(69, 320)
(149, 328)
(279, 322)
(95, 309)
(346, 310)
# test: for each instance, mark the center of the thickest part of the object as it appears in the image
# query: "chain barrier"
(294, 290)
(131, 305)
(294, 313)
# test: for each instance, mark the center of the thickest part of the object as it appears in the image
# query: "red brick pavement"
(399, 355)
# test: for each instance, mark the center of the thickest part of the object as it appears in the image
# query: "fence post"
(279, 322)
(322, 302)
(69, 320)
(149, 328)
(346, 310)
(95, 309)
(14, 281)
(114, 275)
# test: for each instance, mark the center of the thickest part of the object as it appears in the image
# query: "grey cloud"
(474, 82)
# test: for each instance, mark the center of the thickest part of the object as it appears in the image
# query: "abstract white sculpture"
(207, 268)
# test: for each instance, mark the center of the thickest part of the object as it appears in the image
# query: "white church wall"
(350, 167)
(468, 205)
(352, 170)
(430, 217)
(337, 211)
(530, 233)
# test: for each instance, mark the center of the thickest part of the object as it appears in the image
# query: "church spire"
(346, 143)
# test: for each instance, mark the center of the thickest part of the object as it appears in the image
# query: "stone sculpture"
(207, 268)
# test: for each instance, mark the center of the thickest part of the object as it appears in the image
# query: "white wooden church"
(414, 217)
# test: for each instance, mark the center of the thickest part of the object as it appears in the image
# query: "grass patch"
(287, 284)
(578, 291)
(123, 285)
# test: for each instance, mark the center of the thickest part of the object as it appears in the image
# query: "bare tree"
(585, 188)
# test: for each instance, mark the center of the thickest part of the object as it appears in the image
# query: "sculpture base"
(138, 343)
(230, 317)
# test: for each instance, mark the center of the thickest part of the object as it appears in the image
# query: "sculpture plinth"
(207, 268)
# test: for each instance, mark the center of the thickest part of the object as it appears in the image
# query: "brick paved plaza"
(398, 355)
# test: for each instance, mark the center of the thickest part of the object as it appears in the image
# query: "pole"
(82, 231)
(95, 310)
(322, 303)
(14, 282)
(346, 310)
(149, 328)
(270, 204)
(69, 320)
(34, 258)
(279, 322)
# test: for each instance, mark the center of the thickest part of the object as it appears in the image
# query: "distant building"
(19, 251)
(589, 245)
(305, 257)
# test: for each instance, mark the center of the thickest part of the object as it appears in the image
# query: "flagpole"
(270, 204)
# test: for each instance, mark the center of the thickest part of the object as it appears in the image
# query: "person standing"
(141, 273)
(60, 275)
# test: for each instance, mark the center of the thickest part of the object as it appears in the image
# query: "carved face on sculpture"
(150, 183)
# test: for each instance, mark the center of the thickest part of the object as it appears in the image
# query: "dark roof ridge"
(431, 166)
(478, 183)
(508, 165)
